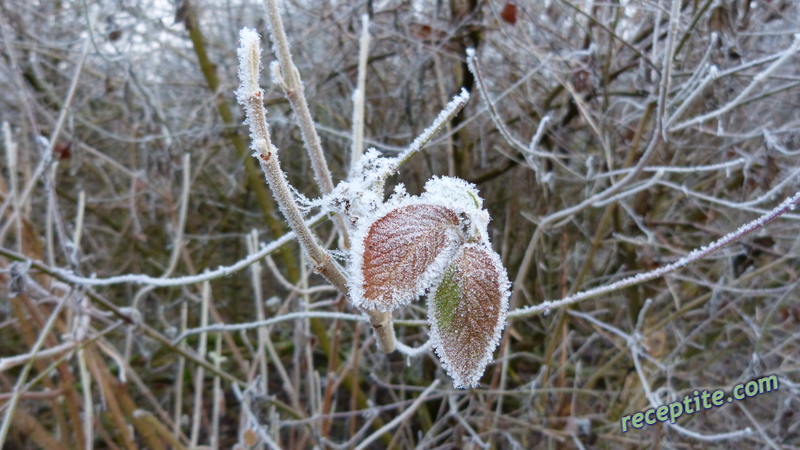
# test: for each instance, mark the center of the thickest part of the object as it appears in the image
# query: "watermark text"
(700, 401)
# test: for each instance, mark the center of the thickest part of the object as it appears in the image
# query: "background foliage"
(102, 100)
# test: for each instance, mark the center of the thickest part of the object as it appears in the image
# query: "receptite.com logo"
(700, 401)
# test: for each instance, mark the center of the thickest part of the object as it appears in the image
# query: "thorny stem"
(252, 177)
(323, 264)
(267, 156)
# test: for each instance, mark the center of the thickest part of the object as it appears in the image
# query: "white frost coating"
(366, 207)
(464, 198)
(465, 371)
(447, 113)
(453, 192)
(362, 194)
(357, 249)
(464, 360)
(249, 53)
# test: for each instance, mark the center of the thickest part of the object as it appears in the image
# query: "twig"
(62, 116)
(272, 321)
(289, 79)
(176, 426)
(78, 233)
(250, 96)
(673, 169)
(761, 76)
(12, 403)
(46, 160)
(263, 432)
(413, 352)
(17, 360)
(447, 114)
(454, 412)
(635, 349)
(216, 398)
(199, 375)
(258, 298)
(285, 283)
(474, 66)
(787, 205)
(666, 68)
(712, 75)
(690, 84)
(11, 159)
(748, 205)
(177, 246)
(70, 277)
(359, 96)
(88, 404)
(400, 418)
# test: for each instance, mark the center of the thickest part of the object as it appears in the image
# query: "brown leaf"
(402, 254)
(468, 313)
(509, 13)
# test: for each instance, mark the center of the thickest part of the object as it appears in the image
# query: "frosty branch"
(435, 244)
(787, 205)
(250, 96)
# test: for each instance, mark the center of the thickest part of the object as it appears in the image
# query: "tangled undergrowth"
(154, 296)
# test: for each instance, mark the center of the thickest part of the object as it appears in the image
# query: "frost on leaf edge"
(463, 197)
(430, 277)
(505, 288)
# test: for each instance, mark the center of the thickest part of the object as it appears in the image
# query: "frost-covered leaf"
(396, 257)
(464, 198)
(453, 192)
(467, 312)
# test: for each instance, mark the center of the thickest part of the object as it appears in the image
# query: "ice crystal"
(450, 110)
(464, 198)
(249, 54)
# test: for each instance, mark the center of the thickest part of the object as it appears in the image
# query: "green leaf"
(446, 298)
(467, 313)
